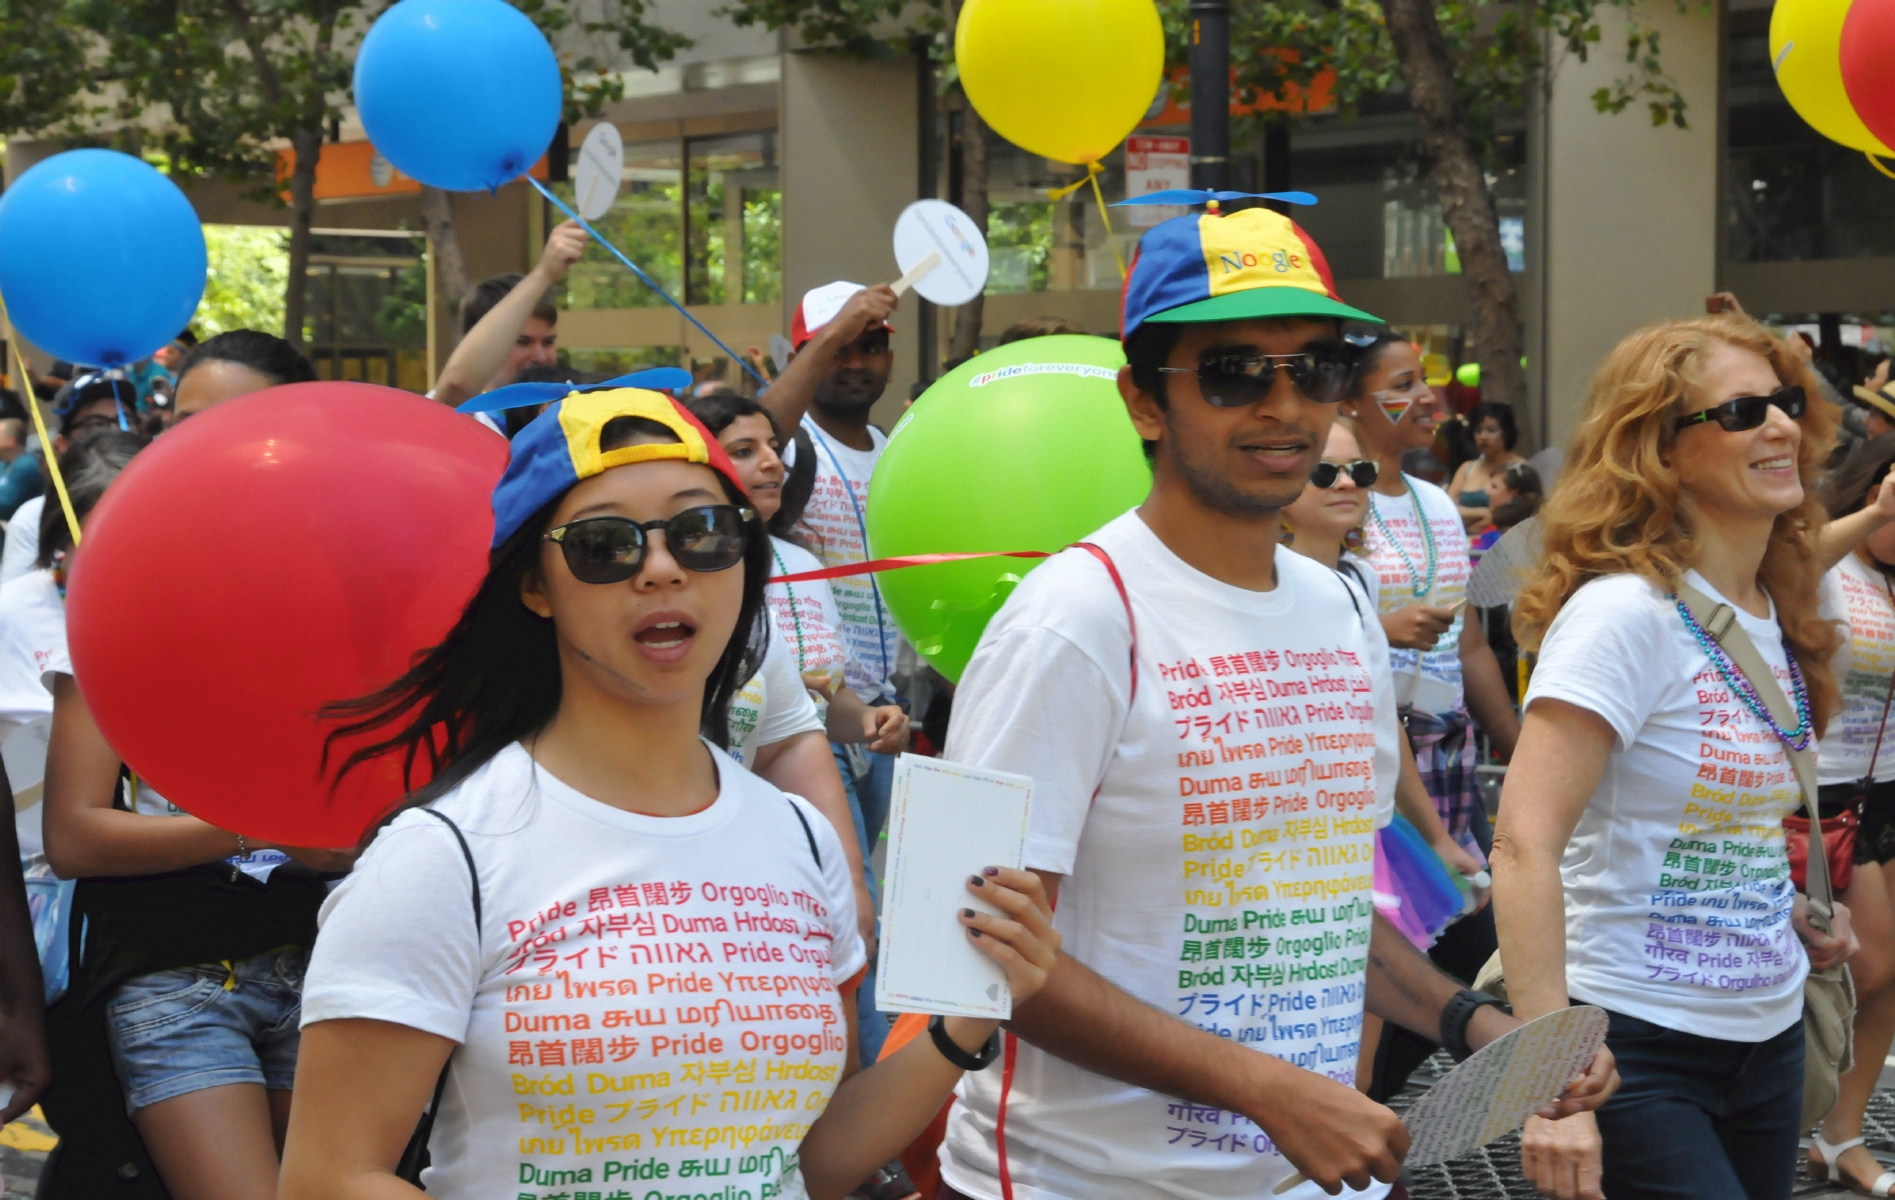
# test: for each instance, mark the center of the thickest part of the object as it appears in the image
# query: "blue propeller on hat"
(526, 395)
(1206, 196)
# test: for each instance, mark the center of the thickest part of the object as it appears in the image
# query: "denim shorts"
(180, 1031)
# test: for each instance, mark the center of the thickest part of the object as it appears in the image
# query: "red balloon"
(1867, 50)
(289, 548)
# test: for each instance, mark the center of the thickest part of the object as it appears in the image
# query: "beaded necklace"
(1795, 739)
(1419, 586)
(796, 622)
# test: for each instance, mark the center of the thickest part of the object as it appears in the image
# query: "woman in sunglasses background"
(1325, 524)
(1446, 676)
(1639, 862)
(641, 985)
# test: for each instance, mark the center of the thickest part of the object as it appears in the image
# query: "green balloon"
(1027, 447)
(1469, 374)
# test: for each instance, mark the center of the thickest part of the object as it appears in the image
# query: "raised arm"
(484, 350)
(788, 398)
(1842, 535)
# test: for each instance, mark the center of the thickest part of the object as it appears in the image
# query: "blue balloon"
(462, 95)
(101, 257)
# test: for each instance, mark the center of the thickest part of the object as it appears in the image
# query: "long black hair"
(495, 678)
(88, 466)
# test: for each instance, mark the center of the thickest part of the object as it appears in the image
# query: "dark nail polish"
(968, 913)
(975, 932)
(991, 871)
(977, 881)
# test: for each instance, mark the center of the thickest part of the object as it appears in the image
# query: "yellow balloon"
(1065, 79)
(1804, 39)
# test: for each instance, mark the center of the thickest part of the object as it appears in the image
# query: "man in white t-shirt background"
(1203, 813)
(838, 369)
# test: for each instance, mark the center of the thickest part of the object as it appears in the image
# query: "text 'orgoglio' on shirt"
(1677, 887)
(650, 1005)
(1223, 872)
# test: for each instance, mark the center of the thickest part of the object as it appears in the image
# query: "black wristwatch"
(1456, 1015)
(937, 1029)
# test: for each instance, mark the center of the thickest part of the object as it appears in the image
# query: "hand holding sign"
(935, 227)
(1499, 1087)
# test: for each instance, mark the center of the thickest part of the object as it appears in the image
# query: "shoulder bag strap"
(808, 833)
(1112, 569)
(1720, 621)
(415, 1158)
(1868, 781)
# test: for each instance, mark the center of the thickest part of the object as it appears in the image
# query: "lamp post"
(1210, 94)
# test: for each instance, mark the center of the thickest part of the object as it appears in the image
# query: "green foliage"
(243, 289)
(861, 28)
(404, 313)
(763, 245)
(1496, 48)
(236, 78)
(1025, 230)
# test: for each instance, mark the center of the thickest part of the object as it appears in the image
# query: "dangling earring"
(1356, 541)
(1285, 534)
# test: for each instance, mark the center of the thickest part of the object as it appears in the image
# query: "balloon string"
(39, 423)
(662, 294)
(1877, 164)
(1107, 218)
(902, 560)
(1060, 193)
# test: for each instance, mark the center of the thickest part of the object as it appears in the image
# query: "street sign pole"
(1210, 94)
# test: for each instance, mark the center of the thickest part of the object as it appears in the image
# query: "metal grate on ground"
(1494, 1172)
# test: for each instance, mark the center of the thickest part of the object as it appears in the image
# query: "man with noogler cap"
(1197, 714)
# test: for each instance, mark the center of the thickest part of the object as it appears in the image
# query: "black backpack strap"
(415, 1158)
(807, 832)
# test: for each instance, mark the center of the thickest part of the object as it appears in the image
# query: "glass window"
(734, 220)
(1790, 193)
(1036, 244)
(645, 221)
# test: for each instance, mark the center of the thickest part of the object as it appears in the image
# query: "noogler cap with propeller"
(1216, 266)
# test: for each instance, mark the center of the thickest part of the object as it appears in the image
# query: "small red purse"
(1839, 831)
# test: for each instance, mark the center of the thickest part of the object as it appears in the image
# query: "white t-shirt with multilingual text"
(1221, 873)
(649, 1005)
(834, 524)
(1405, 560)
(771, 706)
(1677, 888)
(1860, 600)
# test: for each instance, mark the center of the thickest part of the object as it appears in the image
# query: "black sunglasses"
(1362, 473)
(1321, 372)
(711, 537)
(1748, 412)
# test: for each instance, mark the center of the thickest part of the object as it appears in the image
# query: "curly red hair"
(1618, 507)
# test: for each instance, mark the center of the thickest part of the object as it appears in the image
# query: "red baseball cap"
(819, 307)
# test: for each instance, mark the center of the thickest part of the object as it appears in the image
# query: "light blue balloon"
(101, 257)
(460, 94)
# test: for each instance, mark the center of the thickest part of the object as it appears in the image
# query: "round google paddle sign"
(937, 227)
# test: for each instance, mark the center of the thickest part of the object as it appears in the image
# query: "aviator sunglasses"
(1361, 472)
(1322, 373)
(1748, 412)
(710, 537)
